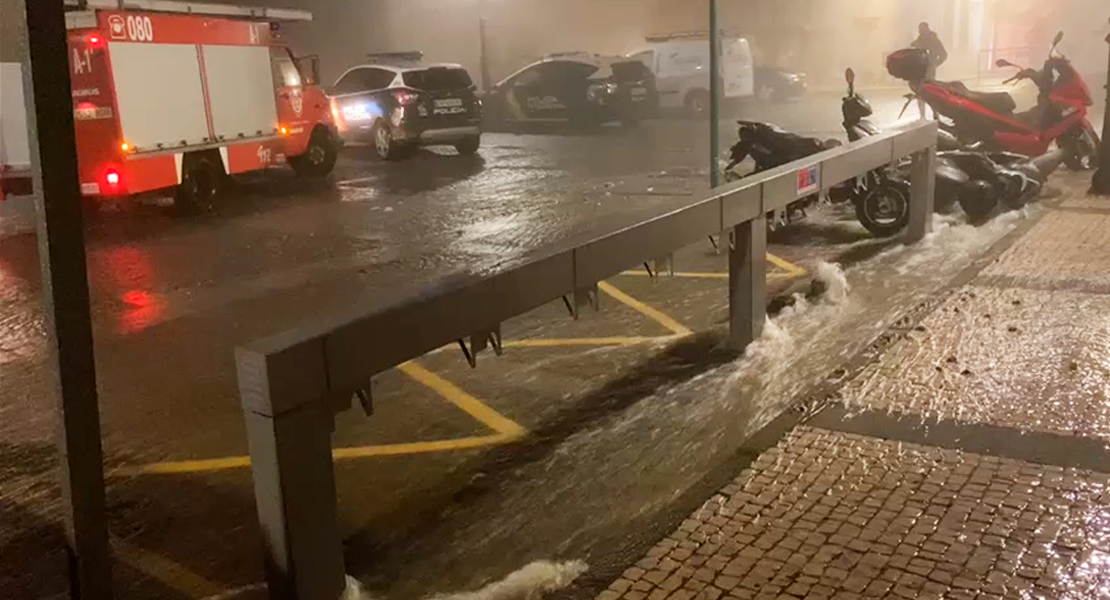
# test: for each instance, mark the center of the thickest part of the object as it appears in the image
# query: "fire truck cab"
(179, 95)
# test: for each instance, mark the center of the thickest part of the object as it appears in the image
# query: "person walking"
(929, 42)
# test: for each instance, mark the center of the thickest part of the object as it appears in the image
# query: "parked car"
(399, 103)
(777, 84)
(680, 63)
(576, 88)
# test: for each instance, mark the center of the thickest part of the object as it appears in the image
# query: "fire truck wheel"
(319, 157)
(200, 183)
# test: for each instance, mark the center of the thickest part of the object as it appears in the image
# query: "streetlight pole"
(1100, 183)
(61, 244)
(714, 96)
(483, 55)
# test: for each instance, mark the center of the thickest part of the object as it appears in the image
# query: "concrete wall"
(11, 31)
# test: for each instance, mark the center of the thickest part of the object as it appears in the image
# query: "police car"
(575, 88)
(398, 103)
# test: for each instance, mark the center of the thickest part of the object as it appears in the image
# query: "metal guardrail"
(292, 384)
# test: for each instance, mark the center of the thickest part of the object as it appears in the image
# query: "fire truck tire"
(200, 185)
(319, 156)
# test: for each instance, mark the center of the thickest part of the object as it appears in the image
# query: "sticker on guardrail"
(809, 180)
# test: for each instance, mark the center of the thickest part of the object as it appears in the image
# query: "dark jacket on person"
(930, 43)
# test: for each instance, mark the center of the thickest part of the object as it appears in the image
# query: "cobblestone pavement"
(968, 460)
(833, 515)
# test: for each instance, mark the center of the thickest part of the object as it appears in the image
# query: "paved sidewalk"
(968, 460)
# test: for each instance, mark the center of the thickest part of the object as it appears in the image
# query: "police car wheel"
(468, 146)
(385, 146)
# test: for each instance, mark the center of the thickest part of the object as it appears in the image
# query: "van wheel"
(697, 103)
(385, 146)
(199, 187)
(319, 156)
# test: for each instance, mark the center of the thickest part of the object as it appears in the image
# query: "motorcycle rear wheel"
(885, 209)
(1082, 149)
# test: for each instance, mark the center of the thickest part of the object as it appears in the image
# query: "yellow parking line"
(600, 341)
(427, 447)
(644, 309)
(681, 275)
(469, 404)
(208, 465)
(171, 573)
(787, 266)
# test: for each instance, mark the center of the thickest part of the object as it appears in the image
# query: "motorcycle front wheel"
(884, 210)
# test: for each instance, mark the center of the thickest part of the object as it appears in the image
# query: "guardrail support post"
(294, 479)
(747, 283)
(922, 194)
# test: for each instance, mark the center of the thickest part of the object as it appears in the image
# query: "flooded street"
(608, 429)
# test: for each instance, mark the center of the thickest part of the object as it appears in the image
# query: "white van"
(680, 62)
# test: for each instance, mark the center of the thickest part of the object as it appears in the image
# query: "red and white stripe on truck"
(151, 88)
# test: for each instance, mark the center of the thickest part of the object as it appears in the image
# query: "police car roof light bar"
(702, 34)
(394, 57)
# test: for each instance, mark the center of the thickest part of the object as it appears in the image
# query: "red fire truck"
(178, 95)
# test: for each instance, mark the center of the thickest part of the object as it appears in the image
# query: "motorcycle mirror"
(850, 76)
(1002, 62)
(1059, 38)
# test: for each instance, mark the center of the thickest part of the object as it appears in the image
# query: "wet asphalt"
(619, 436)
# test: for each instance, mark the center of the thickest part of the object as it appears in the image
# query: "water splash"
(530, 582)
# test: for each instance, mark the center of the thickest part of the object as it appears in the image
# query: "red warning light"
(112, 177)
(95, 41)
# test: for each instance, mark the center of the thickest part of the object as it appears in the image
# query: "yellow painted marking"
(469, 404)
(789, 267)
(601, 341)
(507, 431)
(644, 309)
(427, 447)
(174, 575)
(179, 467)
(680, 275)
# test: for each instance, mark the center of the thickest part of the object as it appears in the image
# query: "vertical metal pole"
(922, 194)
(1100, 182)
(747, 283)
(483, 55)
(61, 247)
(714, 96)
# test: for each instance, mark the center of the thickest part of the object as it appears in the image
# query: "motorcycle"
(978, 180)
(881, 204)
(988, 118)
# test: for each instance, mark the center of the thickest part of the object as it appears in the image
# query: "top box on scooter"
(909, 64)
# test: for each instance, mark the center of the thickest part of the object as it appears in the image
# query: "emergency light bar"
(685, 35)
(385, 58)
(193, 8)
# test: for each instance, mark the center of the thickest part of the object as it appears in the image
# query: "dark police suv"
(575, 88)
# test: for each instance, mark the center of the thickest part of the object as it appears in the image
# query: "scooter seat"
(999, 102)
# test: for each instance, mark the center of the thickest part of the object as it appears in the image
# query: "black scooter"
(880, 198)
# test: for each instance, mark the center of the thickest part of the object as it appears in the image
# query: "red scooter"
(987, 119)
